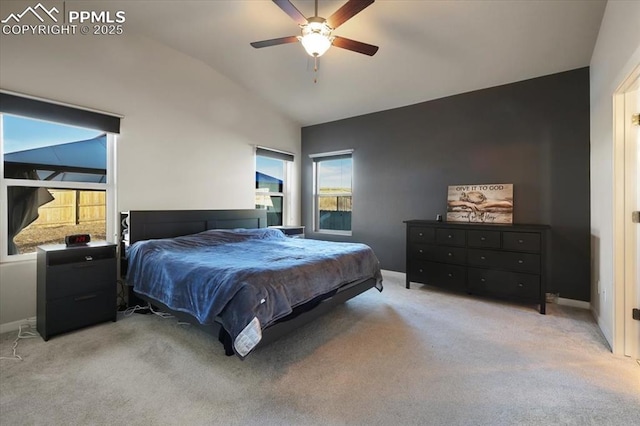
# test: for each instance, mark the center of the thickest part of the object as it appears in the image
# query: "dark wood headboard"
(147, 224)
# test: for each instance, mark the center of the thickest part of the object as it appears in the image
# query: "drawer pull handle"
(87, 297)
(520, 285)
(483, 258)
(420, 251)
(420, 234)
(88, 258)
(450, 275)
(420, 270)
(449, 254)
(482, 238)
(449, 236)
(520, 241)
(521, 261)
(482, 280)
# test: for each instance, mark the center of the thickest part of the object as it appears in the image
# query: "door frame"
(624, 288)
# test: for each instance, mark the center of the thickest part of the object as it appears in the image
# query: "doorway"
(626, 229)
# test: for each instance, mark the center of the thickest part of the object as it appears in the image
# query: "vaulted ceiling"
(428, 49)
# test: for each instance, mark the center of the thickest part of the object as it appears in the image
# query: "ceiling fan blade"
(291, 10)
(347, 11)
(356, 46)
(274, 42)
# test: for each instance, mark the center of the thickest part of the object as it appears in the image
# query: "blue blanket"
(244, 278)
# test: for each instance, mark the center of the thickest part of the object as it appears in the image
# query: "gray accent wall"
(533, 134)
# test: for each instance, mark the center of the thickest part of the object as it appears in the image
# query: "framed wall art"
(481, 203)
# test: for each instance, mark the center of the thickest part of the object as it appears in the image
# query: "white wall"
(616, 53)
(186, 139)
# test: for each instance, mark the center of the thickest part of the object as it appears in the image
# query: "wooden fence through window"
(72, 207)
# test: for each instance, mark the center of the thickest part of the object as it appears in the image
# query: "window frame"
(109, 187)
(287, 160)
(326, 156)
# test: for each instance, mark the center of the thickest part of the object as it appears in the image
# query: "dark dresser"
(505, 261)
(76, 287)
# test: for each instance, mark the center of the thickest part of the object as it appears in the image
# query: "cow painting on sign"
(486, 203)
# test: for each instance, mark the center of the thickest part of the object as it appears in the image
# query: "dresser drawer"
(74, 312)
(70, 279)
(451, 237)
(438, 274)
(485, 258)
(521, 262)
(438, 253)
(524, 241)
(483, 239)
(422, 235)
(504, 283)
(517, 262)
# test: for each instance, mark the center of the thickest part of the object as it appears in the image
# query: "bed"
(225, 271)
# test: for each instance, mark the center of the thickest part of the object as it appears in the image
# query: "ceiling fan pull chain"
(315, 69)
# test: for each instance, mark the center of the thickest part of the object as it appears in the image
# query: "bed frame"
(137, 225)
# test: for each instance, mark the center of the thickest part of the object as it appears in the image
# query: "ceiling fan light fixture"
(316, 37)
(315, 44)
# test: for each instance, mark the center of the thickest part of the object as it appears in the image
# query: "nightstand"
(291, 231)
(76, 287)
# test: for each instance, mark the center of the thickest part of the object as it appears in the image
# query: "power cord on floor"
(159, 313)
(21, 335)
(130, 310)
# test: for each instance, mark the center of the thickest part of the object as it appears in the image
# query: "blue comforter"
(245, 278)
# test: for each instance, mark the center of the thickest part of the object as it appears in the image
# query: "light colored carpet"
(419, 356)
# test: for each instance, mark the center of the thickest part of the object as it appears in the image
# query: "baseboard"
(574, 303)
(15, 325)
(557, 300)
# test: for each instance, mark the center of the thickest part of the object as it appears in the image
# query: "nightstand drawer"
(524, 241)
(80, 254)
(291, 231)
(483, 239)
(504, 283)
(451, 237)
(75, 312)
(78, 278)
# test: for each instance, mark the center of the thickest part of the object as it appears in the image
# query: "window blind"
(50, 111)
(278, 155)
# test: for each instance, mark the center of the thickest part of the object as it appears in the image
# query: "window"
(272, 172)
(333, 192)
(56, 176)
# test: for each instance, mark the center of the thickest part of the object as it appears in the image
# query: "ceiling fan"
(317, 35)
